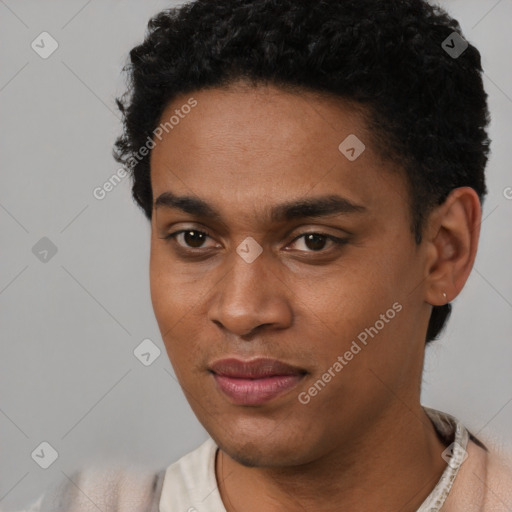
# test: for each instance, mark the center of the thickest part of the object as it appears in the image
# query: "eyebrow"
(315, 207)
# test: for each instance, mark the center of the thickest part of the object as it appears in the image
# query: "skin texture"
(363, 442)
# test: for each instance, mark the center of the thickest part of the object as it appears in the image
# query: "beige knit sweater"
(483, 484)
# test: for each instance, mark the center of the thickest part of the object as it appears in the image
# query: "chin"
(249, 455)
(262, 450)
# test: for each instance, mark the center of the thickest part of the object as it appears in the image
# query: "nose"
(251, 296)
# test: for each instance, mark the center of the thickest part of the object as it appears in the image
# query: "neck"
(397, 463)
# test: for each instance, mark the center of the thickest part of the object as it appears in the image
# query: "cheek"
(176, 305)
(170, 289)
(159, 284)
(348, 304)
(352, 292)
(168, 294)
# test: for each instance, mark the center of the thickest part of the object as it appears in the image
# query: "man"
(313, 173)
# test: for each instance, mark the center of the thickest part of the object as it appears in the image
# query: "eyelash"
(338, 242)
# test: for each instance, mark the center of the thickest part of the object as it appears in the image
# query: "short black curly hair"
(426, 108)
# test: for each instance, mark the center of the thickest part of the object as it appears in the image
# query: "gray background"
(68, 375)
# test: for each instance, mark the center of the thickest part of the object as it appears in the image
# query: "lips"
(253, 369)
(254, 382)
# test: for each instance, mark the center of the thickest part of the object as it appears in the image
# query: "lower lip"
(256, 391)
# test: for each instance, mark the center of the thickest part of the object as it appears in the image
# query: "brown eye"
(316, 242)
(188, 238)
(194, 239)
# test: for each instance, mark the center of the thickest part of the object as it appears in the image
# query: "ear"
(452, 236)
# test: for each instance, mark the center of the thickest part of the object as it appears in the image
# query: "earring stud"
(444, 295)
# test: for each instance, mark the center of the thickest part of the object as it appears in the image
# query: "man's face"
(253, 286)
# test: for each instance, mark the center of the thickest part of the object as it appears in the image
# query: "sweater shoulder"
(499, 480)
(109, 488)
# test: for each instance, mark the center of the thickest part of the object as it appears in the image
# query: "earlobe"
(454, 230)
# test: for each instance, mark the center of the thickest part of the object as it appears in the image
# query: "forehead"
(248, 145)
